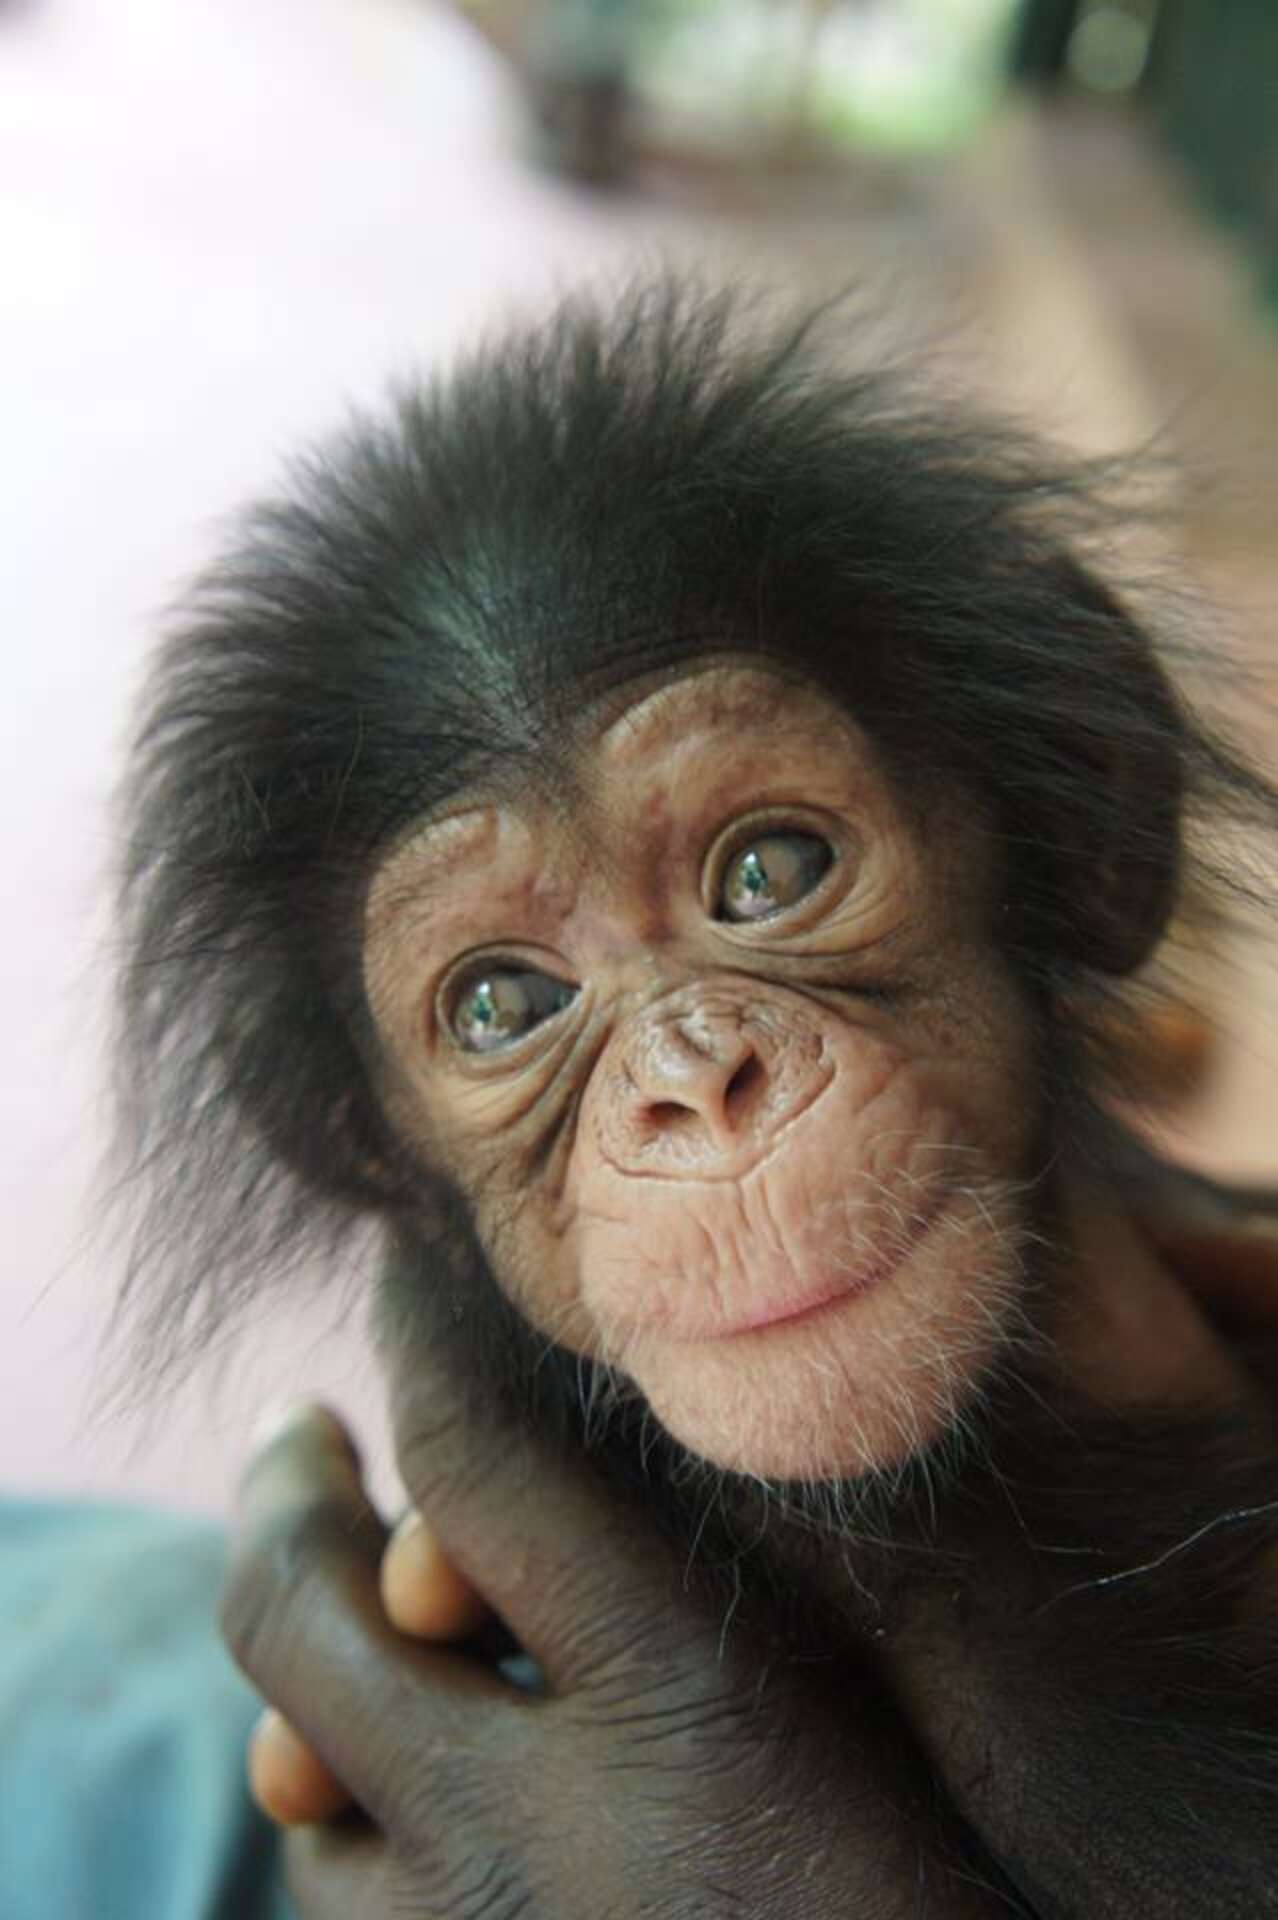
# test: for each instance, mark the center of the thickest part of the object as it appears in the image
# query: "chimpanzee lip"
(788, 1306)
(788, 1315)
(791, 1312)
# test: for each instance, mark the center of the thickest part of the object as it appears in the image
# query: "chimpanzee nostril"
(703, 1083)
(746, 1083)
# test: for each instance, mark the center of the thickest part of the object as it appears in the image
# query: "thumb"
(575, 1568)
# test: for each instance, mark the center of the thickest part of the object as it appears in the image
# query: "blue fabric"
(122, 1725)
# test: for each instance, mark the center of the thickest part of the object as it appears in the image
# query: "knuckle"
(272, 1566)
(447, 1458)
(666, 1654)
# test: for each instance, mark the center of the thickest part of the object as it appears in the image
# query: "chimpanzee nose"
(698, 1084)
(700, 1072)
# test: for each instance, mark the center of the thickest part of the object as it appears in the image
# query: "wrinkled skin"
(671, 1772)
(770, 1169)
(675, 1768)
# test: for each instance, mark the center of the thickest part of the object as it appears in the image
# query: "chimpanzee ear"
(1124, 843)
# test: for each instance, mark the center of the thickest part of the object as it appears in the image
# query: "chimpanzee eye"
(773, 873)
(496, 1008)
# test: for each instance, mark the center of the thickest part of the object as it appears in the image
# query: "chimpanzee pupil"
(504, 1005)
(775, 873)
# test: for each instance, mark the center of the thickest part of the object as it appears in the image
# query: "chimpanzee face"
(719, 1044)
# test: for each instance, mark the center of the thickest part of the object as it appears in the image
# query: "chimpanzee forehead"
(685, 746)
(668, 715)
(702, 699)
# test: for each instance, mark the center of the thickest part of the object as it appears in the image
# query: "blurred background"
(222, 223)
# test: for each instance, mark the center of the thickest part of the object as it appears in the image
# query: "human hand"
(425, 1597)
(669, 1768)
(997, 1671)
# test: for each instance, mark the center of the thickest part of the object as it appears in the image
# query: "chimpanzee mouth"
(796, 1309)
(789, 1315)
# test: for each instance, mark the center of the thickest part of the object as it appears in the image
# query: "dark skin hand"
(662, 1773)
(659, 1774)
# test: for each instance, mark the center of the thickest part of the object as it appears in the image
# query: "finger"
(303, 1616)
(1235, 1274)
(295, 1449)
(422, 1591)
(287, 1778)
(574, 1569)
(336, 1873)
(424, 1597)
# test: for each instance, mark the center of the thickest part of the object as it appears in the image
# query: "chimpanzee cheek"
(532, 1244)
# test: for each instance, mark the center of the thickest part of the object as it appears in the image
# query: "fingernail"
(276, 1417)
(406, 1526)
(281, 1416)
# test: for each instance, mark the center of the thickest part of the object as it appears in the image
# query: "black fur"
(615, 491)
(622, 489)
